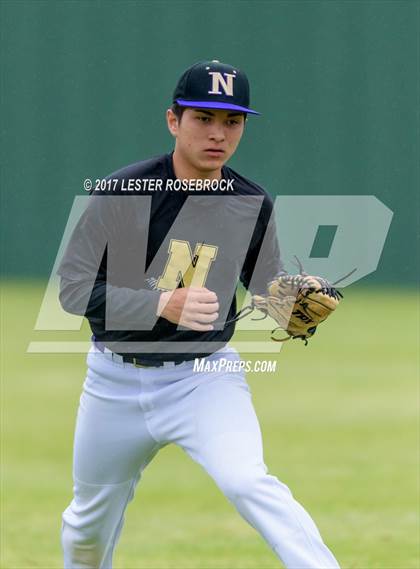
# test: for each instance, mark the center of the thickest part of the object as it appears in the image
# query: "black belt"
(132, 360)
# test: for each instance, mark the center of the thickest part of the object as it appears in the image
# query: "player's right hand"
(194, 308)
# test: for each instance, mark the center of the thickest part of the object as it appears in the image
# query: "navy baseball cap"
(213, 85)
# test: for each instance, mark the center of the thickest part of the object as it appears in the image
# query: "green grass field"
(340, 424)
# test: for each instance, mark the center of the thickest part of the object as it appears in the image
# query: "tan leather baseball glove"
(298, 304)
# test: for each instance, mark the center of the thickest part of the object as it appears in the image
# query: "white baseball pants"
(127, 414)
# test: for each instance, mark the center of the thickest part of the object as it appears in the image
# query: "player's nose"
(217, 133)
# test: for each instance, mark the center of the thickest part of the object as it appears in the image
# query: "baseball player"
(153, 264)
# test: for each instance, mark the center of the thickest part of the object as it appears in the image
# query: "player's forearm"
(126, 307)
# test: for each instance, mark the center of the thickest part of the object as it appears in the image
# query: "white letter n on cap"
(219, 81)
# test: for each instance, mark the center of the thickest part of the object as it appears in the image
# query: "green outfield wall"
(85, 86)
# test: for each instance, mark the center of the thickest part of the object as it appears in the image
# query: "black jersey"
(125, 249)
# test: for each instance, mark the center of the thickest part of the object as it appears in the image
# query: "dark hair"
(178, 110)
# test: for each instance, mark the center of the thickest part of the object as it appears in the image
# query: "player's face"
(205, 139)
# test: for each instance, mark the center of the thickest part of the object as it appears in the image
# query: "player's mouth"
(214, 151)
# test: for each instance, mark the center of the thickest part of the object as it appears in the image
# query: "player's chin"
(211, 161)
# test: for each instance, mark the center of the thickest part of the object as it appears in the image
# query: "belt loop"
(119, 359)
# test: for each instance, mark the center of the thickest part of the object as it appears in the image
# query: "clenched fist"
(194, 308)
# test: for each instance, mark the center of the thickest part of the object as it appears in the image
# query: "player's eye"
(232, 122)
(204, 119)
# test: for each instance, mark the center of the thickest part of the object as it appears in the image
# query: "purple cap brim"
(214, 105)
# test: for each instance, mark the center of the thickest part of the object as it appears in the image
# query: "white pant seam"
(112, 539)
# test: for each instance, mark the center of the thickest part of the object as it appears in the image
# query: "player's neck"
(186, 171)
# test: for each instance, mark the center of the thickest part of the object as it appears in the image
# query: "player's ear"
(172, 122)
